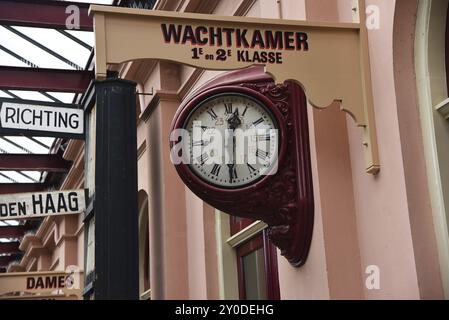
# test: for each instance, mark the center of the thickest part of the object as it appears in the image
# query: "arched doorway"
(144, 246)
(433, 102)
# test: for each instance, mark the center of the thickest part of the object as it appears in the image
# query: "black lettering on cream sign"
(50, 118)
(250, 46)
(45, 282)
(31, 205)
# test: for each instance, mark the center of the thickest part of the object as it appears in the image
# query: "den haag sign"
(41, 204)
(329, 60)
(41, 119)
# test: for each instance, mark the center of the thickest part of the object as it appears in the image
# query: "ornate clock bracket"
(289, 197)
(284, 201)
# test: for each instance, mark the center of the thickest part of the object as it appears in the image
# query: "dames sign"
(41, 118)
(46, 282)
(35, 205)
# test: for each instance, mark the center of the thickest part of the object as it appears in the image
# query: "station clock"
(241, 144)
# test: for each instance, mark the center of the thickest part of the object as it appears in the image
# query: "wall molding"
(247, 233)
(425, 43)
(443, 108)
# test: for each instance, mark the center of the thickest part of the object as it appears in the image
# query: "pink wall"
(333, 268)
(196, 247)
(363, 220)
(381, 202)
(360, 220)
(418, 195)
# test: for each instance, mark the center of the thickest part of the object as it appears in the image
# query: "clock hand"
(234, 121)
(231, 167)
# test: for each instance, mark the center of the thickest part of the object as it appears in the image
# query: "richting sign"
(35, 205)
(40, 118)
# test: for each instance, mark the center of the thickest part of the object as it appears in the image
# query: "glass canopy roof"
(32, 47)
(39, 48)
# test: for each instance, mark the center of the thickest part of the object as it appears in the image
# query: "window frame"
(255, 242)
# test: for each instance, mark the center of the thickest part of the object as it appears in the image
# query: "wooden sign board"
(50, 285)
(35, 205)
(58, 296)
(37, 118)
(329, 60)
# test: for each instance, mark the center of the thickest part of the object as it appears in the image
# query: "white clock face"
(249, 135)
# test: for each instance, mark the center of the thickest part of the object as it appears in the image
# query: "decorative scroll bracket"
(329, 60)
(284, 201)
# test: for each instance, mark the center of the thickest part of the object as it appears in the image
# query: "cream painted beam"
(329, 60)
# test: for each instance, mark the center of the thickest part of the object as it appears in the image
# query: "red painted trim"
(12, 231)
(271, 267)
(9, 188)
(270, 261)
(299, 249)
(43, 14)
(242, 251)
(5, 260)
(21, 78)
(238, 224)
(9, 247)
(241, 278)
(34, 162)
(250, 246)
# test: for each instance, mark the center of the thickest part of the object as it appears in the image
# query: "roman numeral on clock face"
(244, 111)
(228, 108)
(263, 155)
(232, 173)
(257, 122)
(198, 143)
(216, 170)
(251, 168)
(264, 137)
(212, 113)
(203, 158)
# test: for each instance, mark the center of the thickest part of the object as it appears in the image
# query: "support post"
(116, 217)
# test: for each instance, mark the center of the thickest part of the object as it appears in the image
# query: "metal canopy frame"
(42, 79)
(10, 247)
(28, 75)
(43, 14)
(6, 188)
(37, 162)
(13, 231)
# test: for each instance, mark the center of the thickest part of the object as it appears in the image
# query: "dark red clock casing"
(284, 200)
